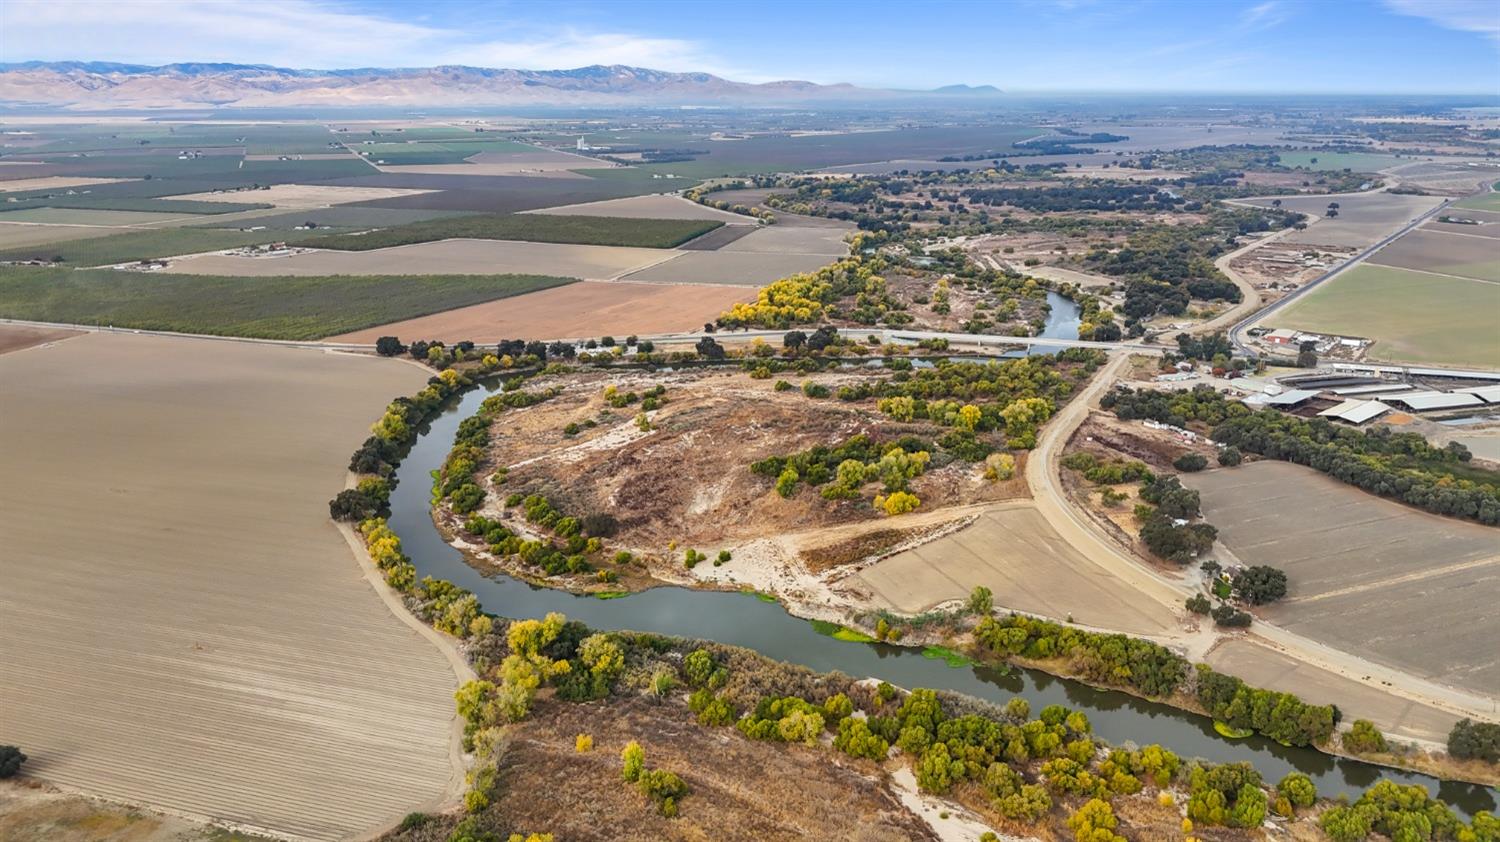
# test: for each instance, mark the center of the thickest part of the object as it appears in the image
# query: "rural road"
(1043, 475)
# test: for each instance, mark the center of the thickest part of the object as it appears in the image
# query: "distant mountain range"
(104, 85)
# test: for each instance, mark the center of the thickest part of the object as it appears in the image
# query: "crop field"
(773, 153)
(449, 257)
(143, 205)
(509, 194)
(536, 228)
(18, 337)
(655, 206)
(1367, 575)
(253, 674)
(87, 216)
(298, 195)
(33, 185)
(138, 244)
(1413, 317)
(575, 311)
(724, 266)
(794, 239)
(267, 307)
(337, 217)
(1326, 161)
(1363, 219)
(16, 235)
(1445, 252)
(1261, 666)
(1012, 551)
(1490, 229)
(318, 169)
(1484, 201)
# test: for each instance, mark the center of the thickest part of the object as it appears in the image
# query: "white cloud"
(1482, 16)
(1264, 15)
(305, 34)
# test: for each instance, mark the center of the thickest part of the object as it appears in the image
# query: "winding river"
(746, 620)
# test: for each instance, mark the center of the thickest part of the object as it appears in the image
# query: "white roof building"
(1488, 394)
(1356, 411)
(1421, 401)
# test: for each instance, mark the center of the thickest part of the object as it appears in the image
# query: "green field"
(1325, 161)
(141, 245)
(1414, 318)
(1489, 201)
(436, 152)
(268, 308)
(129, 203)
(536, 228)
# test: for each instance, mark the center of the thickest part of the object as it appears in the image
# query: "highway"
(1236, 333)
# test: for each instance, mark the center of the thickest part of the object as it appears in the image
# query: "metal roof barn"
(1436, 400)
(1356, 411)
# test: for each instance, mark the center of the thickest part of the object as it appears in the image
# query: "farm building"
(1422, 401)
(1281, 336)
(1376, 389)
(1285, 400)
(1488, 394)
(1356, 412)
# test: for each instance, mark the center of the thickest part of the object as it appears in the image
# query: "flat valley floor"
(183, 626)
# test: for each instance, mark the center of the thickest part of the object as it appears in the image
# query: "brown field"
(1367, 575)
(55, 182)
(208, 644)
(792, 239)
(580, 310)
(539, 162)
(447, 257)
(656, 206)
(1363, 218)
(303, 195)
(739, 788)
(16, 337)
(18, 235)
(1015, 553)
(1261, 666)
(718, 238)
(1445, 252)
(1490, 229)
(739, 268)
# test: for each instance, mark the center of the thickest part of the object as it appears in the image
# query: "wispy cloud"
(1481, 16)
(1264, 16)
(302, 33)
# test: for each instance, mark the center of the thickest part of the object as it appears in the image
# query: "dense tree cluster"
(1107, 471)
(1280, 716)
(1102, 196)
(1260, 584)
(1470, 739)
(1113, 659)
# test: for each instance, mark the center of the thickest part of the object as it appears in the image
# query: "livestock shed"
(1356, 412)
(1421, 401)
(1294, 397)
(1379, 388)
(1488, 394)
(1404, 371)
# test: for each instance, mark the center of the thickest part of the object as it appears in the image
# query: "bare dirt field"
(656, 206)
(1363, 219)
(447, 257)
(738, 788)
(31, 811)
(792, 239)
(718, 238)
(1367, 575)
(21, 235)
(1261, 666)
(1013, 551)
(741, 268)
(586, 309)
(302, 195)
(537, 162)
(1447, 252)
(1490, 229)
(77, 216)
(208, 644)
(16, 337)
(56, 182)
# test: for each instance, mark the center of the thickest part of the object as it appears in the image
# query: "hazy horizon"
(1397, 47)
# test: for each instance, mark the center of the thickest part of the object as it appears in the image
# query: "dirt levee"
(576, 311)
(183, 626)
(1367, 575)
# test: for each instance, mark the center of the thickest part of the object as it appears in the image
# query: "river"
(746, 620)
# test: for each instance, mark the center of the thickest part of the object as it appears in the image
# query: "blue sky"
(1301, 46)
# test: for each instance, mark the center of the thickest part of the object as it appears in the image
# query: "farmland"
(581, 310)
(536, 228)
(254, 675)
(17, 236)
(271, 307)
(1345, 551)
(647, 207)
(1324, 161)
(137, 244)
(1488, 200)
(1445, 252)
(1414, 317)
(457, 257)
(1363, 220)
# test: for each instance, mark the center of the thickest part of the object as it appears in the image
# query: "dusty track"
(184, 628)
